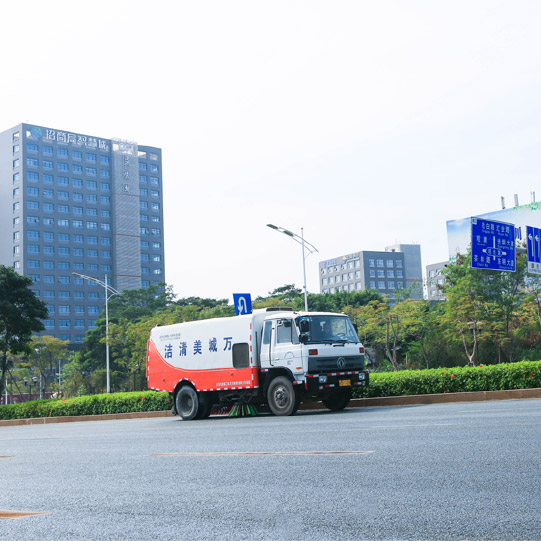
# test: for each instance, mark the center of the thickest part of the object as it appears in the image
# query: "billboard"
(459, 231)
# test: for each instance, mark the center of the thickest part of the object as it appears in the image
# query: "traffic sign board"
(533, 234)
(493, 245)
(243, 303)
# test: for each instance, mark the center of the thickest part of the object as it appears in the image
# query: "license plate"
(344, 383)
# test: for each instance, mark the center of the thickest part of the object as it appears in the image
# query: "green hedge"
(522, 375)
(498, 377)
(89, 405)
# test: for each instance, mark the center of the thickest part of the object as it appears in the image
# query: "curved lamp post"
(108, 288)
(305, 246)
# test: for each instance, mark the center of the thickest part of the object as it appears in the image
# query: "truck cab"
(320, 353)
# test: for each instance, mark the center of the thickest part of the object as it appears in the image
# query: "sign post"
(492, 245)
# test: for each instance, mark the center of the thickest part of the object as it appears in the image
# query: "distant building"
(387, 272)
(434, 280)
(77, 203)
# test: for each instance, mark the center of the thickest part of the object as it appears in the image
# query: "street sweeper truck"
(272, 358)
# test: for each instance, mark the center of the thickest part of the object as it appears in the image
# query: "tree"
(483, 305)
(46, 351)
(21, 313)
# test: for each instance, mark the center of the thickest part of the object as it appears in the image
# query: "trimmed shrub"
(89, 405)
(499, 377)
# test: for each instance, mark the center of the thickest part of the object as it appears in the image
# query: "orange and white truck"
(274, 357)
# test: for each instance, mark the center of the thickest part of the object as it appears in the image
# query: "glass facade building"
(398, 267)
(74, 203)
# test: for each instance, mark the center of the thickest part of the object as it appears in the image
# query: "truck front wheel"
(338, 401)
(187, 403)
(281, 396)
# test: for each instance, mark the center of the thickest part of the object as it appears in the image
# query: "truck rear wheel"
(205, 405)
(187, 403)
(281, 396)
(338, 401)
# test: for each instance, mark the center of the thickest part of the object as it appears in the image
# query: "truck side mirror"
(304, 326)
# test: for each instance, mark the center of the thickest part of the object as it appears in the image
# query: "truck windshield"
(326, 329)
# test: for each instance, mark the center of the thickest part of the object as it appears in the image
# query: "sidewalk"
(478, 396)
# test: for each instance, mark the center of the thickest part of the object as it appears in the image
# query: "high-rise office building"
(73, 203)
(398, 267)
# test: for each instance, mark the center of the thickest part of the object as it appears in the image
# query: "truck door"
(287, 348)
(267, 345)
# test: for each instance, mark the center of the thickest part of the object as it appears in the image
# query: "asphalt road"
(466, 471)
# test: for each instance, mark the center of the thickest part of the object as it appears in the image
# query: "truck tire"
(338, 401)
(205, 405)
(281, 396)
(187, 403)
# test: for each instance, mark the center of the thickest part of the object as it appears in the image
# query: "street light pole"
(113, 291)
(305, 246)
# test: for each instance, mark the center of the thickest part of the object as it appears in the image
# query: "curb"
(477, 396)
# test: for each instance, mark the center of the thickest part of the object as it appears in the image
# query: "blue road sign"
(492, 245)
(243, 303)
(533, 234)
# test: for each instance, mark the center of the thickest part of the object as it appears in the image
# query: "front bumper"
(336, 380)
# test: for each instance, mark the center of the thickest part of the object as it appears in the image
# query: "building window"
(371, 263)
(381, 285)
(380, 262)
(398, 264)
(390, 262)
